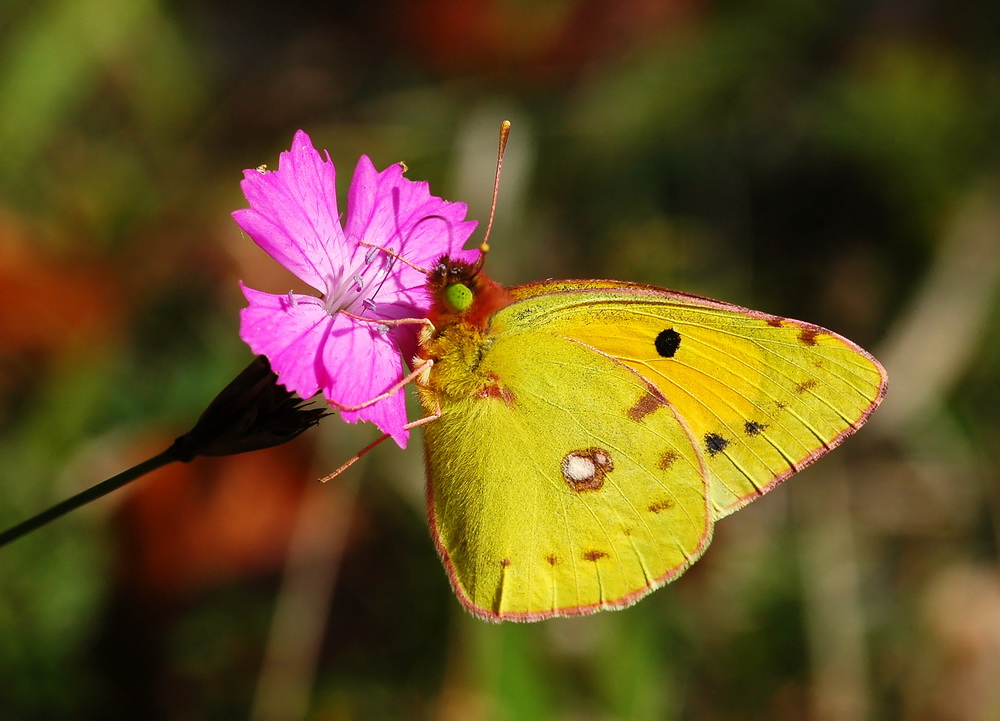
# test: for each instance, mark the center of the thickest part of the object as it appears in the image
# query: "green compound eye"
(458, 297)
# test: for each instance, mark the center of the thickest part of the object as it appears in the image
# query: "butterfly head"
(461, 292)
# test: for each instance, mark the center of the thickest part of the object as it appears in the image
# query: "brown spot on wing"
(504, 563)
(650, 401)
(552, 559)
(494, 389)
(775, 322)
(667, 459)
(805, 385)
(594, 555)
(807, 336)
(660, 506)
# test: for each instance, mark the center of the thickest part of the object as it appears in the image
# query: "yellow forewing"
(520, 531)
(763, 396)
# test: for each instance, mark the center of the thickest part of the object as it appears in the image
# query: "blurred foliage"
(828, 161)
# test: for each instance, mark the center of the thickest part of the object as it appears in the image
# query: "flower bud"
(250, 413)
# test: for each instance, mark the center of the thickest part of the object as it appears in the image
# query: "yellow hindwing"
(545, 498)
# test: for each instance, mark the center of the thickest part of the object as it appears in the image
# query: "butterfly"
(588, 434)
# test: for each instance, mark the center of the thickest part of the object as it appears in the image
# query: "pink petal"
(288, 333)
(310, 351)
(388, 210)
(363, 363)
(293, 213)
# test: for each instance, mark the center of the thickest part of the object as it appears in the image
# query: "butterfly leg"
(421, 368)
(390, 323)
(419, 422)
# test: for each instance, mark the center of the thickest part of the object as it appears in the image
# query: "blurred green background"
(834, 162)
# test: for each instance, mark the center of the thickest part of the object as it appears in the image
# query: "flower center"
(355, 288)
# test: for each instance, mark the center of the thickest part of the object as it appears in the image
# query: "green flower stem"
(84, 497)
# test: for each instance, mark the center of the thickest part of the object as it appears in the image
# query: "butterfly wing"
(545, 496)
(763, 396)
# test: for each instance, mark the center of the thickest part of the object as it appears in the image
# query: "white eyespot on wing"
(585, 469)
(578, 469)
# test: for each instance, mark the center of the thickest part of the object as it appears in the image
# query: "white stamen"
(352, 288)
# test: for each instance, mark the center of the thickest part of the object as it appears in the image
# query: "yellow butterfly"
(589, 433)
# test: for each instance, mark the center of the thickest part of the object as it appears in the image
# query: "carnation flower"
(346, 342)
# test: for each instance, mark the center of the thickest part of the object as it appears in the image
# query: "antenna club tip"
(484, 246)
(504, 134)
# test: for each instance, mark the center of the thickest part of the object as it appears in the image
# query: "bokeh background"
(835, 162)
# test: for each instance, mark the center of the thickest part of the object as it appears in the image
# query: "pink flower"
(311, 342)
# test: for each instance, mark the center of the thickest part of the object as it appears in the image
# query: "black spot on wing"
(714, 443)
(754, 428)
(667, 342)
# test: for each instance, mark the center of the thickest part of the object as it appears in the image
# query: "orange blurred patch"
(194, 526)
(52, 304)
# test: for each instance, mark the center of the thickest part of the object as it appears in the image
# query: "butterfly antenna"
(484, 247)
